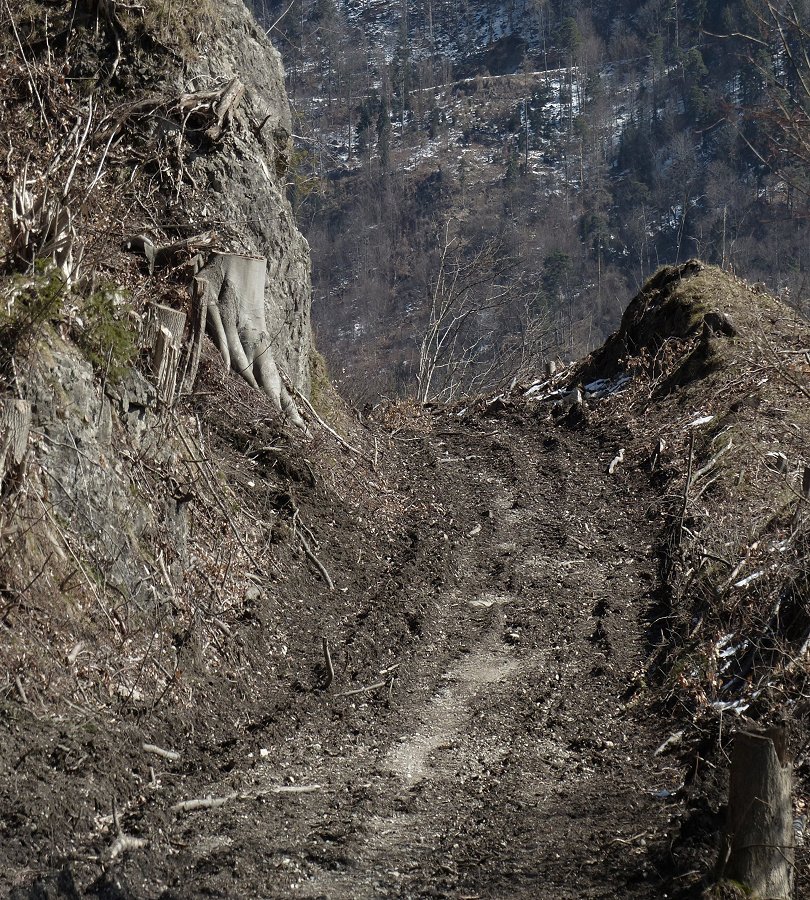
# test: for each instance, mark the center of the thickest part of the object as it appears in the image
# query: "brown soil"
(514, 633)
(505, 609)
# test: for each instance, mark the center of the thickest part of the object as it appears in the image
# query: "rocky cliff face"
(242, 186)
(132, 528)
(140, 91)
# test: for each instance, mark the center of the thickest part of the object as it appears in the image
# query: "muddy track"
(522, 773)
(509, 757)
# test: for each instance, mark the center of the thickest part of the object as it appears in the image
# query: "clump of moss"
(103, 334)
(727, 890)
(96, 321)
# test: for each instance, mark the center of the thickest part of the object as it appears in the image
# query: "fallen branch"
(705, 487)
(289, 789)
(169, 254)
(674, 740)
(311, 410)
(804, 497)
(159, 751)
(126, 842)
(686, 487)
(21, 690)
(217, 499)
(617, 460)
(316, 562)
(628, 841)
(330, 669)
(31, 80)
(224, 110)
(223, 627)
(202, 803)
(364, 690)
(165, 573)
(704, 470)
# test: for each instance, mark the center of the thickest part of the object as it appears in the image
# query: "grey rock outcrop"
(87, 440)
(243, 181)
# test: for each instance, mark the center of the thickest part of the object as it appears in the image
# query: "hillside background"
(581, 145)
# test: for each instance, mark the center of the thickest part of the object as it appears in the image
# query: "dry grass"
(737, 554)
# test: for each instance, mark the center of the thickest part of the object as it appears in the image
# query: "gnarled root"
(232, 287)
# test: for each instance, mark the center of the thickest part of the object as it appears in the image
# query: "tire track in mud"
(522, 738)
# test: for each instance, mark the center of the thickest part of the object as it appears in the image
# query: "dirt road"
(506, 753)
(516, 769)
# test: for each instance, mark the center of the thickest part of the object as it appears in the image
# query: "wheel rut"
(522, 738)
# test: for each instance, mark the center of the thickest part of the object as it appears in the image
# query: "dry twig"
(159, 751)
(202, 803)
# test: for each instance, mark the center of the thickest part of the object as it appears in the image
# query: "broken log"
(759, 842)
(158, 255)
(226, 107)
(15, 426)
(163, 335)
(232, 286)
(193, 348)
(165, 363)
(158, 317)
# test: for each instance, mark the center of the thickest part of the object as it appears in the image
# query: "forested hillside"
(500, 175)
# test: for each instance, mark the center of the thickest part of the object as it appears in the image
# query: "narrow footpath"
(509, 756)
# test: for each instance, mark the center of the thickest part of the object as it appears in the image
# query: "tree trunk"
(164, 331)
(759, 830)
(232, 287)
(15, 426)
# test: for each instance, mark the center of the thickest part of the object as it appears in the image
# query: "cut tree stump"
(758, 849)
(158, 317)
(232, 287)
(163, 334)
(15, 426)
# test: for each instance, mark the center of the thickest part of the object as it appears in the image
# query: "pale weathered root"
(232, 288)
(15, 427)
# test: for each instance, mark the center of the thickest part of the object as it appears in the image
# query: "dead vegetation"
(721, 377)
(737, 462)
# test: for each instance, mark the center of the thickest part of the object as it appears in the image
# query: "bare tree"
(458, 350)
(778, 42)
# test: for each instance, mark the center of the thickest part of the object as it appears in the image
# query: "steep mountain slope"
(594, 141)
(430, 652)
(514, 599)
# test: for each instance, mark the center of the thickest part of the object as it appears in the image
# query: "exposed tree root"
(232, 288)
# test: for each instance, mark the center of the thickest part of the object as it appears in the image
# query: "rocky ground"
(501, 753)
(503, 627)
